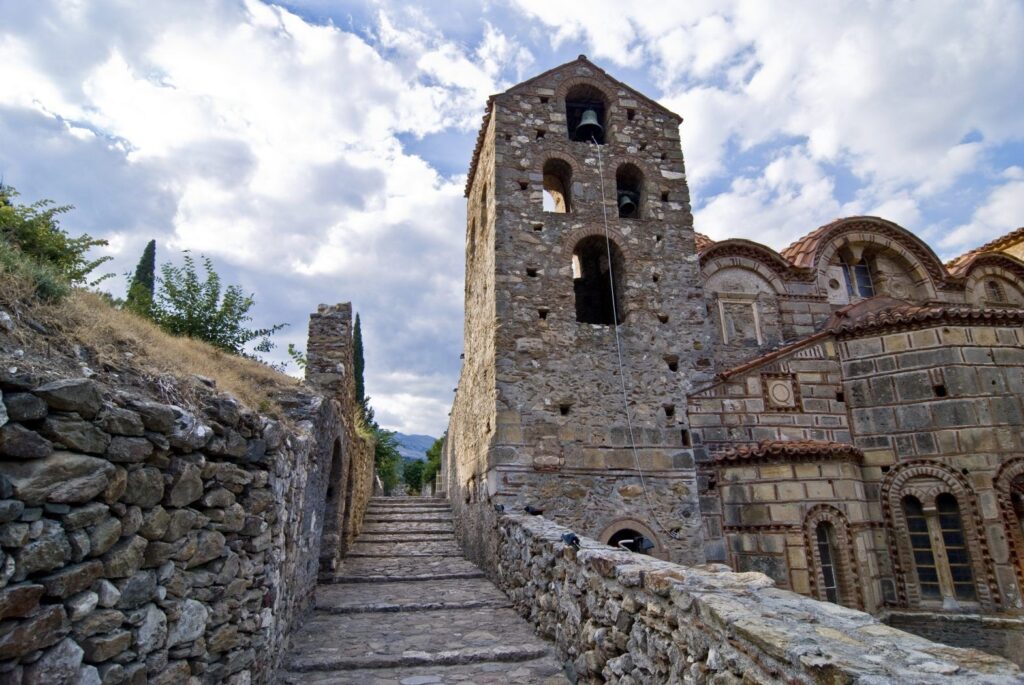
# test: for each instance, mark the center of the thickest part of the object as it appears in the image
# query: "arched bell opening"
(586, 111)
(629, 186)
(334, 510)
(598, 272)
(557, 186)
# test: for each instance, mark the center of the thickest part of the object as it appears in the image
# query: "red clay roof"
(912, 315)
(790, 449)
(702, 242)
(801, 252)
(959, 264)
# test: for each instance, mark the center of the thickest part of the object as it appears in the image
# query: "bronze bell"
(589, 128)
(626, 204)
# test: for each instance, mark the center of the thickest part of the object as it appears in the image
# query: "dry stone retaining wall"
(619, 617)
(142, 542)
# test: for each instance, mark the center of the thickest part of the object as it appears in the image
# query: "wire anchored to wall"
(618, 349)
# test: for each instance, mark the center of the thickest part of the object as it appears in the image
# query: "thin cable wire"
(618, 346)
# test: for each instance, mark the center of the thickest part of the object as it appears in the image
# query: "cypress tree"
(140, 291)
(358, 363)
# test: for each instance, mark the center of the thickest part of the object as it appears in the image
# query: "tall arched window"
(921, 547)
(557, 186)
(859, 278)
(597, 281)
(994, 292)
(825, 534)
(629, 184)
(955, 542)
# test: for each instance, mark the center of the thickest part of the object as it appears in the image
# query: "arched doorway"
(334, 510)
(633, 536)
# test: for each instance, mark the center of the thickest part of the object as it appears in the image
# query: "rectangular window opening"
(664, 196)
(670, 410)
(630, 114)
(687, 441)
(542, 313)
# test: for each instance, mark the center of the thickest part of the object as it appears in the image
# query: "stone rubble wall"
(144, 543)
(618, 617)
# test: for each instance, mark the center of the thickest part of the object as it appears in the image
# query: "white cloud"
(1001, 212)
(276, 142)
(888, 91)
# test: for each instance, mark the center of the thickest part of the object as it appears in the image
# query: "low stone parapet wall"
(141, 542)
(619, 617)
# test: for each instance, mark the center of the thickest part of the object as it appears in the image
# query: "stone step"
(330, 642)
(410, 578)
(405, 537)
(356, 570)
(414, 594)
(407, 518)
(408, 527)
(543, 671)
(407, 501)
(446, 548)
(379, 511)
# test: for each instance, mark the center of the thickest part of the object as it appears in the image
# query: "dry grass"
(124, 340)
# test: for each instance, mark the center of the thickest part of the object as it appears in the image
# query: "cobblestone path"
(405, 608)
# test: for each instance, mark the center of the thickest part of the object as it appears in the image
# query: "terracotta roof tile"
(913, 315)
(702, 242)
(959, 265)
(790, 449)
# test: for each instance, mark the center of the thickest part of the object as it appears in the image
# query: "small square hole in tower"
(540, 133)
(542, 313)
(670, 410)
(672, 361)
(543, 99)
(531, 272)
(657, 238)
(940, 390)
(664, 156)
(685, 438)
(508, 137)
(664, 196)
(538, 227)
(630, 114)
(840, 396)
(655, 277)
(663, 318)
(642, 147)
(523, 185)
(564, 408)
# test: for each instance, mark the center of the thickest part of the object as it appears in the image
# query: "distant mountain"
(414, 446)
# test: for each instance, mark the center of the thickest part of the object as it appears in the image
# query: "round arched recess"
(628, 529)
(599, 277)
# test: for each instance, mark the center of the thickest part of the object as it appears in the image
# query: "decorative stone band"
(792, 450)
(622, 617)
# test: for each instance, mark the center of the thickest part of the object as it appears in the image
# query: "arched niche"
(744, 302)
(628, 527)
(992, 285)
(599, 275)
(586, 101)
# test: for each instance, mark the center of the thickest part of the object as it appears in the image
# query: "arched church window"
(825, 535)
(598, 273)
(994, 292)
(629, 184)
(859, 279)
(585, 114)
(557, 186)
(921, 548)
(956, 547)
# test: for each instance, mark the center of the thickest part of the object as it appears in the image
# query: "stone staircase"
(405, 608)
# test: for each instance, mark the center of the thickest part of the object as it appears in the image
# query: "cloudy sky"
(317, 149)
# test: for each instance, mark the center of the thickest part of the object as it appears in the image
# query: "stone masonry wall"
(145, 543)
(329, 367)
(619, 617)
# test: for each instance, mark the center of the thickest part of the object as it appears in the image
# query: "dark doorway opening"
(597, 281)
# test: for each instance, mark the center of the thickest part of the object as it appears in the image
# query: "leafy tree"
(433, 463)
(358, 366)
(386, 457)
(203, 309)
(34, 230)
(140, 290)
(298, 356)
(412, 474)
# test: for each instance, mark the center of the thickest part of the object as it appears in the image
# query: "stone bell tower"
(579, 249)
